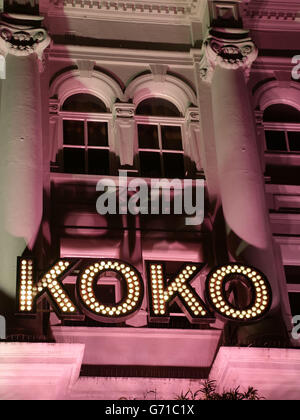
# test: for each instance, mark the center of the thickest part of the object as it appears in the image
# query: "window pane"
(83, 102)
(73, 132)
(150, 164)
(174, 165)
(283, 174)
(292, 274)
(171, 138)
(295, 303)
(157, 107)
(97, 134)
(74, 161)
(148, 136)
(294, 141)
(98, 162)
(282, 113)
(275, 140)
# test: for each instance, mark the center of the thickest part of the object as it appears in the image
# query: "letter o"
(260, 288)
(92, 307)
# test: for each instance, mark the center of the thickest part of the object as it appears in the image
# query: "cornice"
(119, 55)
(154, 10)
(272, 14)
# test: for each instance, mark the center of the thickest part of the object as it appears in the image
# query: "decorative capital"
(53, 106)
(193, 115)
(124, 110)
(22, 35)
(227, 48)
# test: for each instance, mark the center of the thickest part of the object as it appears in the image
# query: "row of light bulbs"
(90, 300)
(28, 291)
(160, 297)
(262, 297)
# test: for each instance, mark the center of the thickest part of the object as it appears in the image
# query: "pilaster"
(125, 132)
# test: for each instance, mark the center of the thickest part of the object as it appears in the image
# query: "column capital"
(53, 107)
(229, 49)
(124, 110)
(22, 35)
(192, 115)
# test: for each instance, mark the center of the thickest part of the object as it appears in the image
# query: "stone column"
(227, 59)
(22, 42)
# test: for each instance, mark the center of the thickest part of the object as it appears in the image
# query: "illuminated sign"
(221, 291)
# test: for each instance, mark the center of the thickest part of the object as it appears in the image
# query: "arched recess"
(170, 88)
(273, 93)
(98, 84)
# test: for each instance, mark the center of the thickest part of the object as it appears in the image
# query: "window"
(84, 102)
(85, 139)
(160, 139)
(157, 107)
(293, 283)
(282, 129)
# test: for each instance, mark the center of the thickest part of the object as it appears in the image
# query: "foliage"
(208, 392)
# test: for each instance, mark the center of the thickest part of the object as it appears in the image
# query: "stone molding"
(271, 14)
(137, 8)
(38, 371)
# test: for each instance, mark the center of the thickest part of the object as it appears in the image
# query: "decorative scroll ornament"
(20, 36)
(192, 115)
(124, 110)
(230, 52)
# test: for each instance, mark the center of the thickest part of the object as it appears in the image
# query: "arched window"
(282, 128)
(84, 102)
(85, 139)
(160, 139)
(157, 107)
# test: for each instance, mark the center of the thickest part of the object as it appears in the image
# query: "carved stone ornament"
(232, 51)
(123, 110)
(193, 115)
(53, 106)
(21, 35)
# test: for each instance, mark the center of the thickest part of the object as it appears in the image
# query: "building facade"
(100, 95)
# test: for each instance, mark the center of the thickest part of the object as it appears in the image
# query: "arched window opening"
(84, 102)
(157, 107)
(282, 128)
(160, 139)
(282, 113)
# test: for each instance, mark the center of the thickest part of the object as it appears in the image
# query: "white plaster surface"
(273, 372)
(51, 371)
(142, 346)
